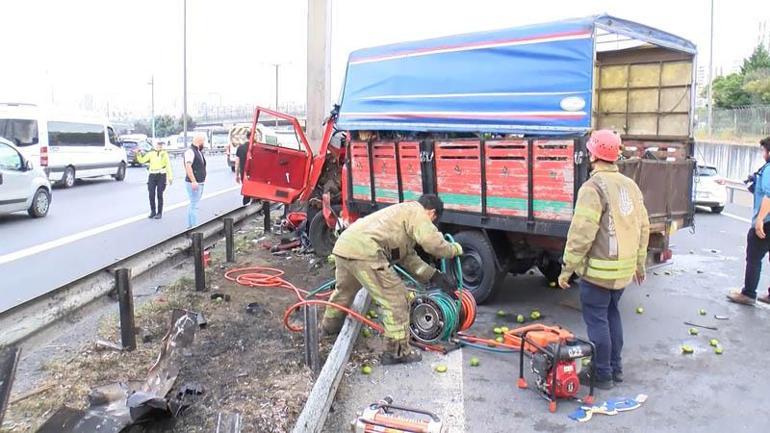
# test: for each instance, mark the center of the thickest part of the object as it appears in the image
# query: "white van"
(67, 147)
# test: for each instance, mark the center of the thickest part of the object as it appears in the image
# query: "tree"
(142, 127)
(190, 124)
(729, 93)
(758, 60)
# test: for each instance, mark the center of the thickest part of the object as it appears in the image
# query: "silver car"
(23, 187)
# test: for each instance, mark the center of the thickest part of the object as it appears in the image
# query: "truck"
(495, 123)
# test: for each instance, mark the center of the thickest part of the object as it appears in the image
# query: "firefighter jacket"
(390, 235)
(608, 237)
(158, 162)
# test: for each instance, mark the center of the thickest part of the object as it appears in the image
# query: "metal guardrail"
(735, 187)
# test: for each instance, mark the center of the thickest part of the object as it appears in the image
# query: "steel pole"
(184, 79)
(152, 106)
(711, 71)
(276, 91)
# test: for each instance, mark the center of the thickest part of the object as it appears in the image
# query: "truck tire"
(480, 273)
(717, 209)
(322, 237)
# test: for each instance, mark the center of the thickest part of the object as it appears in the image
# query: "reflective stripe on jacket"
(391, 234)
(158, 162)
(608, 237)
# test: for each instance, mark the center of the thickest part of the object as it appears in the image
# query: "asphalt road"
(702, 392)
(97, 223)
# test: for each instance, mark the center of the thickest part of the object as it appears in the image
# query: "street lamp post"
(152, 105)
(711, 70)
(276, 90)
(184, 79)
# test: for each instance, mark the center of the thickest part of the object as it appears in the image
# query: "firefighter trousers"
(384, 286)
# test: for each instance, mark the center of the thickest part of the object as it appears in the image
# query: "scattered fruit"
(475, 362)
(499, 339)
(586, 362)
(552, 284)
(714, 342)
(497, 331)
(504, 329)
(687, 349)
(693, 331)
(702, 312)
(718, 350)
(366, 370)
(219, 299)
(372, 314)
(535, 315)
(520, 318)
(441, 369)
(500, 313)
(639, 310)
(367, 333)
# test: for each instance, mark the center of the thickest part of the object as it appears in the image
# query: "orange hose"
(260, 276)
(467, 310)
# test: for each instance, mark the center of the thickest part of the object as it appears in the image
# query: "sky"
(94, 53)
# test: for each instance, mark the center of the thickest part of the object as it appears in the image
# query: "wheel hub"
(426, 320)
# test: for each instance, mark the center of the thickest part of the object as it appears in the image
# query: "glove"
(458, 249)
(440, 280)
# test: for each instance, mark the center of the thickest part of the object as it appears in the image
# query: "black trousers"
(756, 249)
(156, 184)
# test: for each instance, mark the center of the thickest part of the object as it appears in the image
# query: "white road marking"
(26, 252)
(736, 217)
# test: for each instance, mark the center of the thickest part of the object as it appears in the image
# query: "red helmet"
(604, 144)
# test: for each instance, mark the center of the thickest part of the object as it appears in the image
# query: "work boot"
(158, 216)
(399, 352)
(332, 326)
(604, 383)
(617, 376)
(152, 215)
(740, 298)
(764, 299)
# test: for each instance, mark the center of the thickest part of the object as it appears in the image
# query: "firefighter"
(607, 248)
(364, 255)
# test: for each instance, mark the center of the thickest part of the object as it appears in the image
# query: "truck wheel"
(322, 237)
(480, 274)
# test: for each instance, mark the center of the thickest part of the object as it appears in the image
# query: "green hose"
(449, 310)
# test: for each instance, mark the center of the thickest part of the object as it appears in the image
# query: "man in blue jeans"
(757, 242)
(607, 247)
(195, 168)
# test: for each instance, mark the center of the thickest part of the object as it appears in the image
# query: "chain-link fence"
(737, 124)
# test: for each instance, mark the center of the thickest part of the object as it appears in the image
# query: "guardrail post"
(126, 303)
(229, 240)
(312, 345)
(200, 272)
(266, 213)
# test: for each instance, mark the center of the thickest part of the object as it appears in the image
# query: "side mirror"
(28, 165)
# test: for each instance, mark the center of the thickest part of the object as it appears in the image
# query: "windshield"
(707, 171)
(20, 132)
(220, 139)
(180, 139)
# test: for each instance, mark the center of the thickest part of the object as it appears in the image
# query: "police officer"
(160, 175)
(607, 248)
(364, 254)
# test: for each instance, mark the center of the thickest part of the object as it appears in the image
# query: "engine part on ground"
(384, 416)
(553, 362)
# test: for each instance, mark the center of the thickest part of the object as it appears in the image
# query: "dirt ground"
(247, 363)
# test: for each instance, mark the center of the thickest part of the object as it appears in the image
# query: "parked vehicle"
(23, 185)
(67, 146)
(220, 138)
(132, 147)
(496, 125)
(710, 189)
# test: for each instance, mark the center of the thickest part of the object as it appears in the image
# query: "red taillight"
(44, 156)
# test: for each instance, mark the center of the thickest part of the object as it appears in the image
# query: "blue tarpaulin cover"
(527, 80)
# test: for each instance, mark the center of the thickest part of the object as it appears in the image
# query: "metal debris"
(115, 406)
(228, 422)
(713, 328)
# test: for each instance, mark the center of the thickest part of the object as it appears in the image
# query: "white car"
(23, 186)
(710, 189)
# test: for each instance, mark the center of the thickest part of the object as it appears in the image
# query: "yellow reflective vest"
(157, 162)
(608, 237)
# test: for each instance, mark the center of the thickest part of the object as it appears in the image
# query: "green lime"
(500, 313)
(475, 362)
(367, 333)
(534, 315)
(714, 342)
(497, 331)
(372, 314)
(499, 339)
(504, 329)
(639, 310)
(718, 350)
(441, 369)
(520, 318)
(687, 349)
(693, 331)
(366, 369)
(702, 312)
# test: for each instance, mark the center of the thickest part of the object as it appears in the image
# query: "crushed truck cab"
(496, 124)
